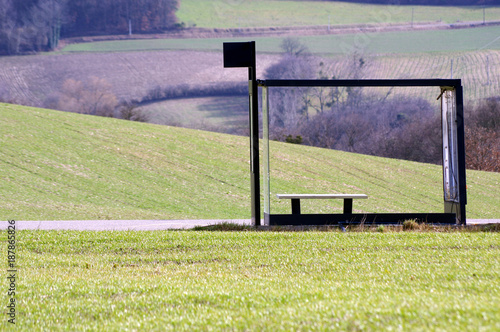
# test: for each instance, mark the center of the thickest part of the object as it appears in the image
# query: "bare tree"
(482, 148)
(293, 46)
(95, 97)
(289, 105)
(405, 128)
(44, 22)
(323, 98)
(127, 110)
(12, 33)
(482, 136)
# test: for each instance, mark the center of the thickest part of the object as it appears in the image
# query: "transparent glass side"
(265, 137)
(450, 146)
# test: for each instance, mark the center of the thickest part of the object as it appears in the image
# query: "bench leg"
(295, 206)
(347, 205)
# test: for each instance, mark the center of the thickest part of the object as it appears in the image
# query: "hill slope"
(57, 165)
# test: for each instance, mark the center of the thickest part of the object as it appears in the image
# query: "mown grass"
(220, 113)
(266, 13)
(266, 281)
(57, 165)
(374, 43)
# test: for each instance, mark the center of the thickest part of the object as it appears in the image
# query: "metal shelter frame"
(242, 54)
(454, 178)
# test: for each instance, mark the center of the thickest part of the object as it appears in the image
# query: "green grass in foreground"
(257, 281)
(372, 43)
(266, 13)
(58, 165)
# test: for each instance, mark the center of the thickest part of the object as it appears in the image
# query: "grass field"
(256, 281)
(265, 13)
(453, 40)
(473, 53)
(222, 114)
(57, 165)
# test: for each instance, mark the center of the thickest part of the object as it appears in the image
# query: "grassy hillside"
(57, 165)
(258, 13)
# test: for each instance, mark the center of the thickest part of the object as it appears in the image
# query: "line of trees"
(35, 25)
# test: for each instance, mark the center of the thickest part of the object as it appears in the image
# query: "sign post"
(238, 55)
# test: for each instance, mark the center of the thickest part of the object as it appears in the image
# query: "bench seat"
(295, 198)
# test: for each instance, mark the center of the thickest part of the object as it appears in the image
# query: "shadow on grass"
(224, 227)
(407, 226)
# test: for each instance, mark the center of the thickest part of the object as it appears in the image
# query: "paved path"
(145, 225)
(119, 225)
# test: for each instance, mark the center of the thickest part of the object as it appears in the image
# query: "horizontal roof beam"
(363, 83)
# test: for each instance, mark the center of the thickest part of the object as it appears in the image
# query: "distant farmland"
(135, 67)
(265, 13)
(33, 79)
(368, 41)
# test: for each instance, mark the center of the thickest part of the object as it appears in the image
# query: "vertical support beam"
(254, 137)
(295, 206)
(265, 136)
(347, 205)
(454, 172)
(462, 190)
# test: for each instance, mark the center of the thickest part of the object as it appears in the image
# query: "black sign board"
(239, 54)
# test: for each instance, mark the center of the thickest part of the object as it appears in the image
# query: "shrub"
(482, 137)
(94, 97)
(409, 225)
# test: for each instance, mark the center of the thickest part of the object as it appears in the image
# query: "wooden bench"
(297, 197)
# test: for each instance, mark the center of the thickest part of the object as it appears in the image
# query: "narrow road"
(146, 225)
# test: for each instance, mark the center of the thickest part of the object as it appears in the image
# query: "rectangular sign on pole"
(239, 54)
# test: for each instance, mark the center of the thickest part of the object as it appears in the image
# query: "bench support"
(347, 205)
(295, 199)
(295, 205)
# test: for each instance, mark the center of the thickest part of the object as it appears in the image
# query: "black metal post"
(254, 138)
(347, 205)
(242, 54)
(295, 206)
(462, 189)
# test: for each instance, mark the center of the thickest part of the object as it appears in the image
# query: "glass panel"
(450, 153)
(265, 136)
